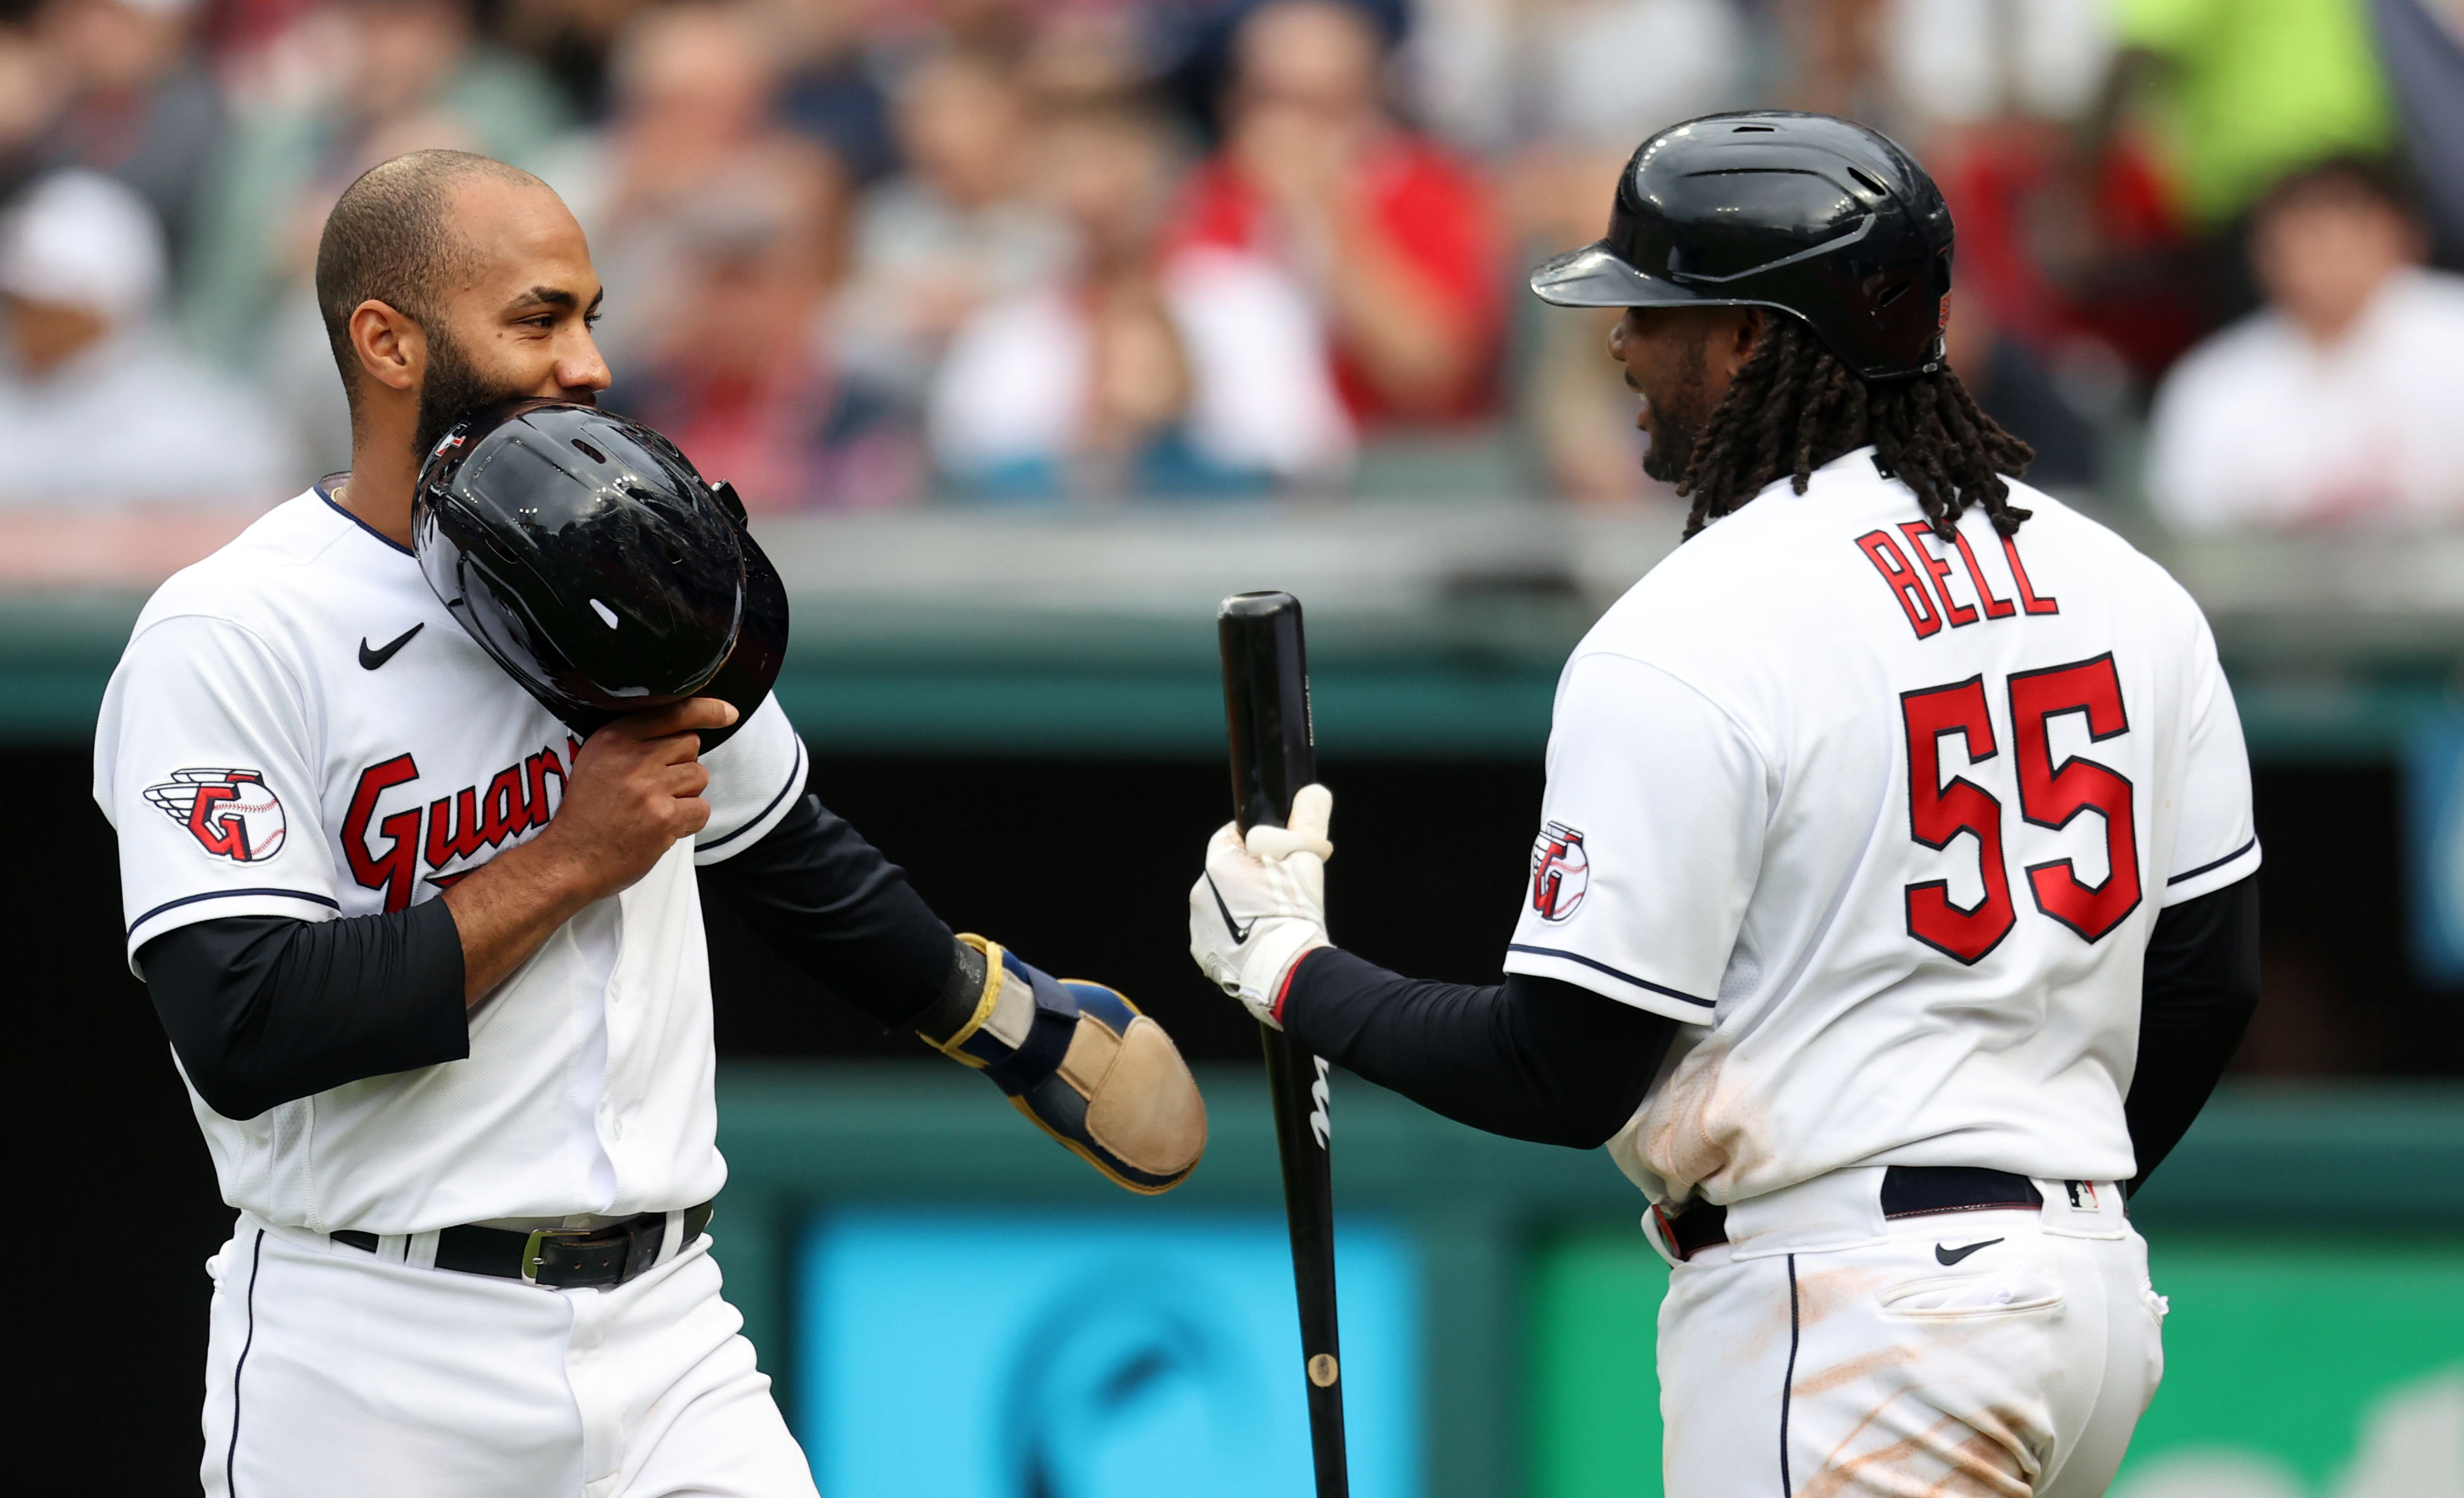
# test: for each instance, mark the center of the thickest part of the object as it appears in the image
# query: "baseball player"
(419, 904)
(1892, 913)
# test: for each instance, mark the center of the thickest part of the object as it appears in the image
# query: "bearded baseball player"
(419, 786)
(1893, 910)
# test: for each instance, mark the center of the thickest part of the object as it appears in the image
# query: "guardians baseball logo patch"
(1560, 871)
(231, 813)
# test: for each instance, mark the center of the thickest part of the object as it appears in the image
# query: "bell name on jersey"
(1885, 817)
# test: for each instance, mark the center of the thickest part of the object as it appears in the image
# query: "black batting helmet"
(1817, 218)
(588, 556)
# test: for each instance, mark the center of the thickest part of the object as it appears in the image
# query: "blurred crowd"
(863, 254)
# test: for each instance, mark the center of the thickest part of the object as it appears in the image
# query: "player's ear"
(1733, 342)
(1748, 332)
(392, 348)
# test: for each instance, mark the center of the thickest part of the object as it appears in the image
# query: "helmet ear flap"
(745, 680)
(752, 668)
(1938, 287)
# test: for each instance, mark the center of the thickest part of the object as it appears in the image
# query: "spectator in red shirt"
(1395, 236)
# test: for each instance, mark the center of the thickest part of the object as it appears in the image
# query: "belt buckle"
(531, 1255)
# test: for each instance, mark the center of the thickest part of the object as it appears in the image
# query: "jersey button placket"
(612, 1114)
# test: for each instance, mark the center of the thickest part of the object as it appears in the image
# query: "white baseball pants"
(331, 1370)
(1825, 1352)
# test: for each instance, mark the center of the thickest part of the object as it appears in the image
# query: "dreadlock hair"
(1793, 406)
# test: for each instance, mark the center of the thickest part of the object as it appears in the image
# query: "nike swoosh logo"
(1240, 933)
(1947, 1255)
(371, 660)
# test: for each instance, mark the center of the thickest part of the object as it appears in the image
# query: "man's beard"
(1676, 423)
(455, 388)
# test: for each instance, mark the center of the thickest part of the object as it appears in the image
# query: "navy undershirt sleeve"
(265, 1009)
(2198, 989)
(1531, 1058)
(833, 908)
(1534, 1058)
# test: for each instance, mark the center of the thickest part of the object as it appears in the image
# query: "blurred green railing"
(803, 1137)
(1435, 629)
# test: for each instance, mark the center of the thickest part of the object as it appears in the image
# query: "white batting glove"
(1261, 904)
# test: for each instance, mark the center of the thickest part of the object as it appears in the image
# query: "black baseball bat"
(1274, 754)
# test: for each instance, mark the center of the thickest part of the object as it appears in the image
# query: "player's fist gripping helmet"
(585, 554)
(1817, 218)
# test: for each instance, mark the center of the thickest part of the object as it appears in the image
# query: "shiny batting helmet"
(1817, 218)
(585, 554)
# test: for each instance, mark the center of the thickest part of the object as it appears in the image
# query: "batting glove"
(1261, 904)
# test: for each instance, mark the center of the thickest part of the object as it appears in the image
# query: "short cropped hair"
(2377, 178)
(390, 239)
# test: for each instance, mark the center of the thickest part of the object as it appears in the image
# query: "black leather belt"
(560, 1257)
(1907, 1191)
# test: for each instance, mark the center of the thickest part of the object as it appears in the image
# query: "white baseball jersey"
(299, 728)
(1886, 821)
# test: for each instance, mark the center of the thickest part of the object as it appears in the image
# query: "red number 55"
(2050, 796)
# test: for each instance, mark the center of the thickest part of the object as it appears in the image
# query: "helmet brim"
(1596, 275)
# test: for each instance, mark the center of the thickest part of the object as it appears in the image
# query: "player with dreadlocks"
(1892, 908)
(1793, 406)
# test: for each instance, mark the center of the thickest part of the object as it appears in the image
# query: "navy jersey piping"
(1623, 977)
(346, 514)
(233, 894)
(230, 1452)
(1787, 1381)
(2218, 863)
(795, 781)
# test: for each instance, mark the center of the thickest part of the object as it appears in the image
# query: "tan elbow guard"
(1092, 1071)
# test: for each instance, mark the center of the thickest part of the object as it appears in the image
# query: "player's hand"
(636, 788)
(1261, 904)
